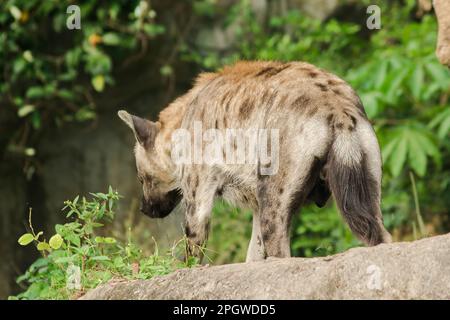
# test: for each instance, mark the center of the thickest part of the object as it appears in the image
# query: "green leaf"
(441, 120)
(60, 229)
(66, 94)
(97, 62)
(153, 29)
(64, 260)
(56, 241)
(28, 56)
(73, 239)
(29, 152)
(388, 149)
(440, 74)
(429, 146)
(444, 129)
(97, 224)
(35, 92)
(394, 86)
(109, 240)
(100, 195)
(430, 90)
(111, 39)
(25, 110)
(371, 105)
(398, 156)
(118, 262)
(416, 81)
(19, 65)
(98, 82)
(166, 70)
(36, 120)
(43, 246)
(25, 239)
(417, 158)
(380, 75)
(15, 12)
(100, 258)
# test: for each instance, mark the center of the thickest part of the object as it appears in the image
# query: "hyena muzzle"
(326, 146)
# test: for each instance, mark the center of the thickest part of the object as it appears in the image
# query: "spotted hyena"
(325, 146)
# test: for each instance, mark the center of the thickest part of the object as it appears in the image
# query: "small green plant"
(76, 258)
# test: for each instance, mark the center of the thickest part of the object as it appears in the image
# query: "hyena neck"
(170, 119)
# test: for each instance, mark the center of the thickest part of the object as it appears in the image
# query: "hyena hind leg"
(280, 198)
(274, 220)
(255, 251)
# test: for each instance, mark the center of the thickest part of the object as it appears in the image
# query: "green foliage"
(230, 234)
(410, 143)
(292, 36)
(76, 246)
(319, 232)
(399, 86)
(46, 67)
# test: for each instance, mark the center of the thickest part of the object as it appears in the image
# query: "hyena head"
(159, 196)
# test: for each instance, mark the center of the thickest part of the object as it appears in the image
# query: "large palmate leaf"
(442, 123)
(416, 80)
(410, 145)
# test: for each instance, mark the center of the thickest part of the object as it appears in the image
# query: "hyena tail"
(355, 187)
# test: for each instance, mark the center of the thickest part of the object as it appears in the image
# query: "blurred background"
(60, 90)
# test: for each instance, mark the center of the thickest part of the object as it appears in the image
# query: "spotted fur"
(327, 146)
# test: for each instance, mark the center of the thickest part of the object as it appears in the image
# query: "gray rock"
(404, 270)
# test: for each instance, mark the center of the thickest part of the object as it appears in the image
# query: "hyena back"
(326, 146)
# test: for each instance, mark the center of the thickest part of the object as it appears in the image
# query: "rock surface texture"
(403, 270)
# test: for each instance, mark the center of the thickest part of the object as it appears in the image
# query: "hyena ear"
(145, 131)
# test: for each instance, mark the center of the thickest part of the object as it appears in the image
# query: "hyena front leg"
(255, 251)
(198, 200)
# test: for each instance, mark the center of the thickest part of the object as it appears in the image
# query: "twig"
(416, 203)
